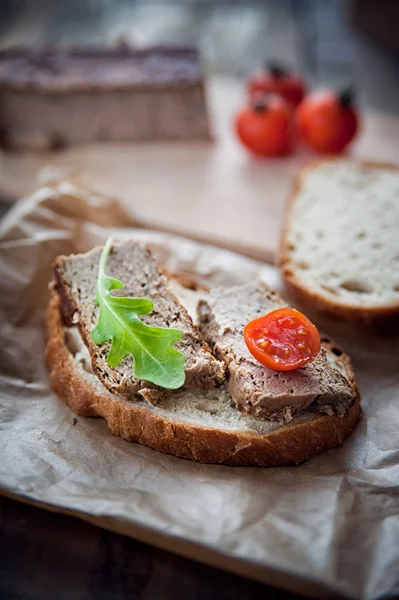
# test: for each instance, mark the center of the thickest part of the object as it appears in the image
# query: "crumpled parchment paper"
(328, 528)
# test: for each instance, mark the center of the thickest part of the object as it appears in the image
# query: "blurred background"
(330, 41)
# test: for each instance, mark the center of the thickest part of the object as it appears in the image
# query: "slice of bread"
(200, 425)
(340, 243)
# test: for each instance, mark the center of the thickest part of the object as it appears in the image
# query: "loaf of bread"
(51, 98)
(340, 243)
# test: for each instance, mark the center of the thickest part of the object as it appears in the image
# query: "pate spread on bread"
(133, 263)
(254, 388)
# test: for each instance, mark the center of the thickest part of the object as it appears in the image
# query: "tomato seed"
(286, 322)
(264, 344)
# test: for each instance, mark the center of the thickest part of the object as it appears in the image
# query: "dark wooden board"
(47, 556)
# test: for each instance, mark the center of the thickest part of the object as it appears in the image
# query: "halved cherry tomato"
(276, 80)
(282, 340)
(265, 126)
(327, 121)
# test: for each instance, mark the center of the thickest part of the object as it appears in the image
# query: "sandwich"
(252, 384)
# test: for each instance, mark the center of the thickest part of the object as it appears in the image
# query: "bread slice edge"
(290, 444)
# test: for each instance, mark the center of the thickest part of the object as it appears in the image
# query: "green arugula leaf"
(154, 358)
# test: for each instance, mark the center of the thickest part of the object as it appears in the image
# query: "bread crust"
(98, 82)
(291, 444)
(312, 298)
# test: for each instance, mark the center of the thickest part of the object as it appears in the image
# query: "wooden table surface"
(47, 556)
(209, 190)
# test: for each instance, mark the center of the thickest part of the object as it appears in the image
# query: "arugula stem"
(104, 257)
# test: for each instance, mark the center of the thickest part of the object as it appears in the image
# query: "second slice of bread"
(340, 244)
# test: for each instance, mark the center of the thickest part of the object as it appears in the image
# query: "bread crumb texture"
(342, 239)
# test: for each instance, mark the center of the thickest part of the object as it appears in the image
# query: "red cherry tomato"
(265, 126)
(273, 79)
(282, 340)
(327, 122)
